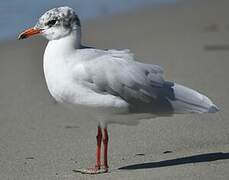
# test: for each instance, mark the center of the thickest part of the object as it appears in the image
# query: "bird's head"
(54, 24)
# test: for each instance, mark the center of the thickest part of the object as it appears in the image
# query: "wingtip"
(213, 109)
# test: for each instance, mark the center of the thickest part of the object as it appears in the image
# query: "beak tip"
(21, 36)
(28, 33)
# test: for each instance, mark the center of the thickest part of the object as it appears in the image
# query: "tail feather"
(189, 100)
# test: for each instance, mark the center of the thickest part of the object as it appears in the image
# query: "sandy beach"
(40, 139)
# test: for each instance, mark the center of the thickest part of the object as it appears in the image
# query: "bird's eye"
(51, 22)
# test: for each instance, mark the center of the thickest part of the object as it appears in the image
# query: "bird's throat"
(67, 44)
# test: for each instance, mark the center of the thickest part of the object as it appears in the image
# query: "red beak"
(29, 32)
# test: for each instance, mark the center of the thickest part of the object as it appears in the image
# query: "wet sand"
(40, 139)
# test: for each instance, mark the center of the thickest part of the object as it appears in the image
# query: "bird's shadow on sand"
(179, 161)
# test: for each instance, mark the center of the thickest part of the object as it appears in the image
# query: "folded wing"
(118, 74)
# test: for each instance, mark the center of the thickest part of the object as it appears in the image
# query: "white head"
(55, 24)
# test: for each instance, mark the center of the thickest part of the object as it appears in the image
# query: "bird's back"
(112, 78)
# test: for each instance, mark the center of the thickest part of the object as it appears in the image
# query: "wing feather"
(116, 72)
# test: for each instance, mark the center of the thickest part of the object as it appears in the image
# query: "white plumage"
(110, 83)
(113, 79)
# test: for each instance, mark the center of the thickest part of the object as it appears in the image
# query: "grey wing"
(118, 74)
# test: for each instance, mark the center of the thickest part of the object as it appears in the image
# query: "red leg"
(98, 148)
(97, 168)
(105, 144)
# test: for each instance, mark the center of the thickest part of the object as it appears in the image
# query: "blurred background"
(40, 139)
(16, 14)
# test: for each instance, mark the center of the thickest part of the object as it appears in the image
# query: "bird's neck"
(66, 44)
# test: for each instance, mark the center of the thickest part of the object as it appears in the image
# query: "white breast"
(61, 74)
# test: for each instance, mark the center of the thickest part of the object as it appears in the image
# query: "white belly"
(66, 89)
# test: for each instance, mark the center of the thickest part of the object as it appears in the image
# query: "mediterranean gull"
(110, 83)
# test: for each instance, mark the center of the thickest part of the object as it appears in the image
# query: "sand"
(40, 139)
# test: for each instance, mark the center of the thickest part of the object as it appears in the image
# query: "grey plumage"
(141, 85)
(64, 16)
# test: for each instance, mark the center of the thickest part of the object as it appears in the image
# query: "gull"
(110, 83)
